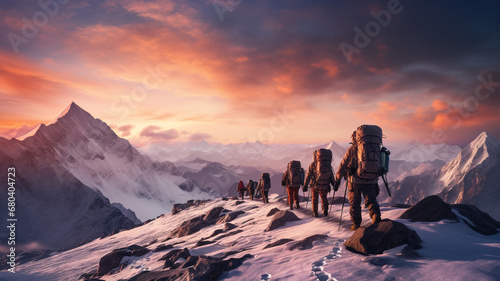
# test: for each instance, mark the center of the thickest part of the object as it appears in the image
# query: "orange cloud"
(16, 131)
(439, 105)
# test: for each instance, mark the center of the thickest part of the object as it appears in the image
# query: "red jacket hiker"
(241, 189)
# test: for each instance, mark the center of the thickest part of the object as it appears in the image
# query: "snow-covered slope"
(95, 155)
(451, 251)
(416, 151)
(472, 177)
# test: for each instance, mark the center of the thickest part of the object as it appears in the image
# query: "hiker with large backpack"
(320, 176)
(251, 189)
(293, 179)
(241, 189)
(361, 168)
(264, 186)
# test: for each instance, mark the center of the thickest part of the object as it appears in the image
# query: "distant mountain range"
(472, 177)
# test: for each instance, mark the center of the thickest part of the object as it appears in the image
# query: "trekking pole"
(343, 202)
(331, 204)
(307, 201)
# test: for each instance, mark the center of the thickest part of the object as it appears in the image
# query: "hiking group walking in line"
(364, 162)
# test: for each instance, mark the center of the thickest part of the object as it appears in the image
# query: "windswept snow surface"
(451, 251)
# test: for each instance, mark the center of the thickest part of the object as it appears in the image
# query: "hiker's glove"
(328, 189)
(305, 188)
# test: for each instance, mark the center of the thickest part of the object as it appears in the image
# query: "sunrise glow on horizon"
(269, 71)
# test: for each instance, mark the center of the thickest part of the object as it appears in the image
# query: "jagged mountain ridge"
(472, 177)
(94, 154)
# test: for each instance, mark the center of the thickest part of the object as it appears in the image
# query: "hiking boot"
(354, 227)
(376, 218)
(297, 207)
(325, 213)
(315, 214)
(291, 207)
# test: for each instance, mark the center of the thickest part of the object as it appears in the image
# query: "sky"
(170, 71)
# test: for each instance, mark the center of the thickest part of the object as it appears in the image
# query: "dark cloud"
(156, 132)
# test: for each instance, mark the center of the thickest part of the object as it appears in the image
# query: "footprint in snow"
(317, 267)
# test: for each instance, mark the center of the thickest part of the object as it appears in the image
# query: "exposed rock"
(217, 232)
(401, 206)
(229, 226)
(254, 207)
(280, 218)
(429, 209)
(307, 243)
(203, 242)
(238, 203)
(179, 207)
(229, 234)
(199, 268)
(163, 247)
(195, 224)
(377, 238)
(278, 243)
(229, 217)
(272, 212)
(112, 260)
(476, 219)
(171, 257)
(213, 214)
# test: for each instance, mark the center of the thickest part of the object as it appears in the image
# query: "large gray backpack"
(323, 171)
(368, 144)
(294, 173)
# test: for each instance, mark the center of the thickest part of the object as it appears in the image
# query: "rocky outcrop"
(280, 218)
(307, 243)
(195, 224)
(194, 268)
(272, 212)
(278, 243)
(476, 219)
(377, 238)
(179, 207)
(229, 217)
(112, 260)
(429, 209)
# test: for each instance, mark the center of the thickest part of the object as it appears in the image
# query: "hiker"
(264, 186)
(320, 176)
(292, 180)
(251, 189)
(365, 139)
(241, 189)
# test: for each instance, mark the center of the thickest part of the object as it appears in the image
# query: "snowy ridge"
(451, 251)
(474, 154)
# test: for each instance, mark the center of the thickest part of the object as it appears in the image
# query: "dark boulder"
(195, 268)
(229, 217)
(229, 234)
(213, 214)
(216, 232)
(377, 238)
(171, 257)
(278, 243)
(280, 218)
(429, 209)
(238, 203)
(476, 219)
(163, 247)
(229, 226)
(272, 212)
(112, 260)
(179, 207)
(203, 242)
(307, 243)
